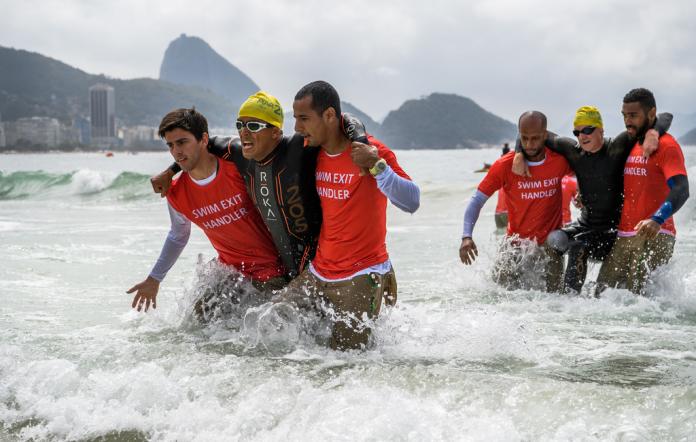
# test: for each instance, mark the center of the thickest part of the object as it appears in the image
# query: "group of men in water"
(302, 218)
(629, 189)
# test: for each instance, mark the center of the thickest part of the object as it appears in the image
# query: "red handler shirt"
(645, 184)
(354, 214)
(569, 184)
(534, 204)
(501, 207)
(227, 216)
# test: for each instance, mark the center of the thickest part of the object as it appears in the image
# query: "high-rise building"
(102, 110)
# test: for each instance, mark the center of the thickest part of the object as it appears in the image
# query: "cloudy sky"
(507, 55)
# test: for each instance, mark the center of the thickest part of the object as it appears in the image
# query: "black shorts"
(597, 243)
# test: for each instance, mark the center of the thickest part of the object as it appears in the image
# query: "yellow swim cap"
(588, 116)
(263, 106)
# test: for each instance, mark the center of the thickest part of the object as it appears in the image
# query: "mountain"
(444, 121)
(31, 84)
(191, 61)
(34, 85)
(682, 123)
(689, 138)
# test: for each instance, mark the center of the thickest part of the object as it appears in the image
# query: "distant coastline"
(135, 151)
(80, 149)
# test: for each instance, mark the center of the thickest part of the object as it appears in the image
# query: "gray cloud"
(507, 55)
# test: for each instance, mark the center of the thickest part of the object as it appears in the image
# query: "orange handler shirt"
(569, 183)
(534, 204)
(645, 184)
(501, 207)
(227, 216)
(354, 227)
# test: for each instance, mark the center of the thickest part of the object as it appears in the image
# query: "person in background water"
(654, 188)
(534, 208)
(569, 184)
(501, 213)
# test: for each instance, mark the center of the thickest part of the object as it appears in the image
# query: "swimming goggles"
(252, 126)
(587, 130)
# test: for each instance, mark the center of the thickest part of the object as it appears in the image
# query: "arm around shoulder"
(223, 147)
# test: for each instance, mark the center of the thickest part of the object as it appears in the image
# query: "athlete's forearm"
(554, 142)
(621, 143)
(624, 142)
(677, 196)
(403, 193)
(222, 147)
(560, 145)
(472, 212)
(663, 123)
(175, 243)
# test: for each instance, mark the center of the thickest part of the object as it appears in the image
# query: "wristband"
(379, 167)
(663, 213)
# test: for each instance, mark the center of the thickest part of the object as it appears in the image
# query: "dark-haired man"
(351, 270)
(534, 210)
(655, 188)
(211, 194)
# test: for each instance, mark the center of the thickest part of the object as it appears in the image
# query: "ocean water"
(457, 359)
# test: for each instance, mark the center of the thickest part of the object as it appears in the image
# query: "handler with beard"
(654, 189)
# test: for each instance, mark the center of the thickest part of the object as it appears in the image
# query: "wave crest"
(84, 182)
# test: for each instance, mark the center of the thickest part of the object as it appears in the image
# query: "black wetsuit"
(600, 184)
(283, 189)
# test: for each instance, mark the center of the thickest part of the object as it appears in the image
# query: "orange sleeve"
(671, 160)
(389, 157)
(493, 179)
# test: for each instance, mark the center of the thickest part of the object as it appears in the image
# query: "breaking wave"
(84, 182)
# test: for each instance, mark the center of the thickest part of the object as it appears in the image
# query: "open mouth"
(247, 145)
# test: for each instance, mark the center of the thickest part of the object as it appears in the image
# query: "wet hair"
(189, 120)
(535, 115)
(323, 96)
(642, 96)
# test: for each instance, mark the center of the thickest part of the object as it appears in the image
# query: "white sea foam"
(86, 181)
(458, 358)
